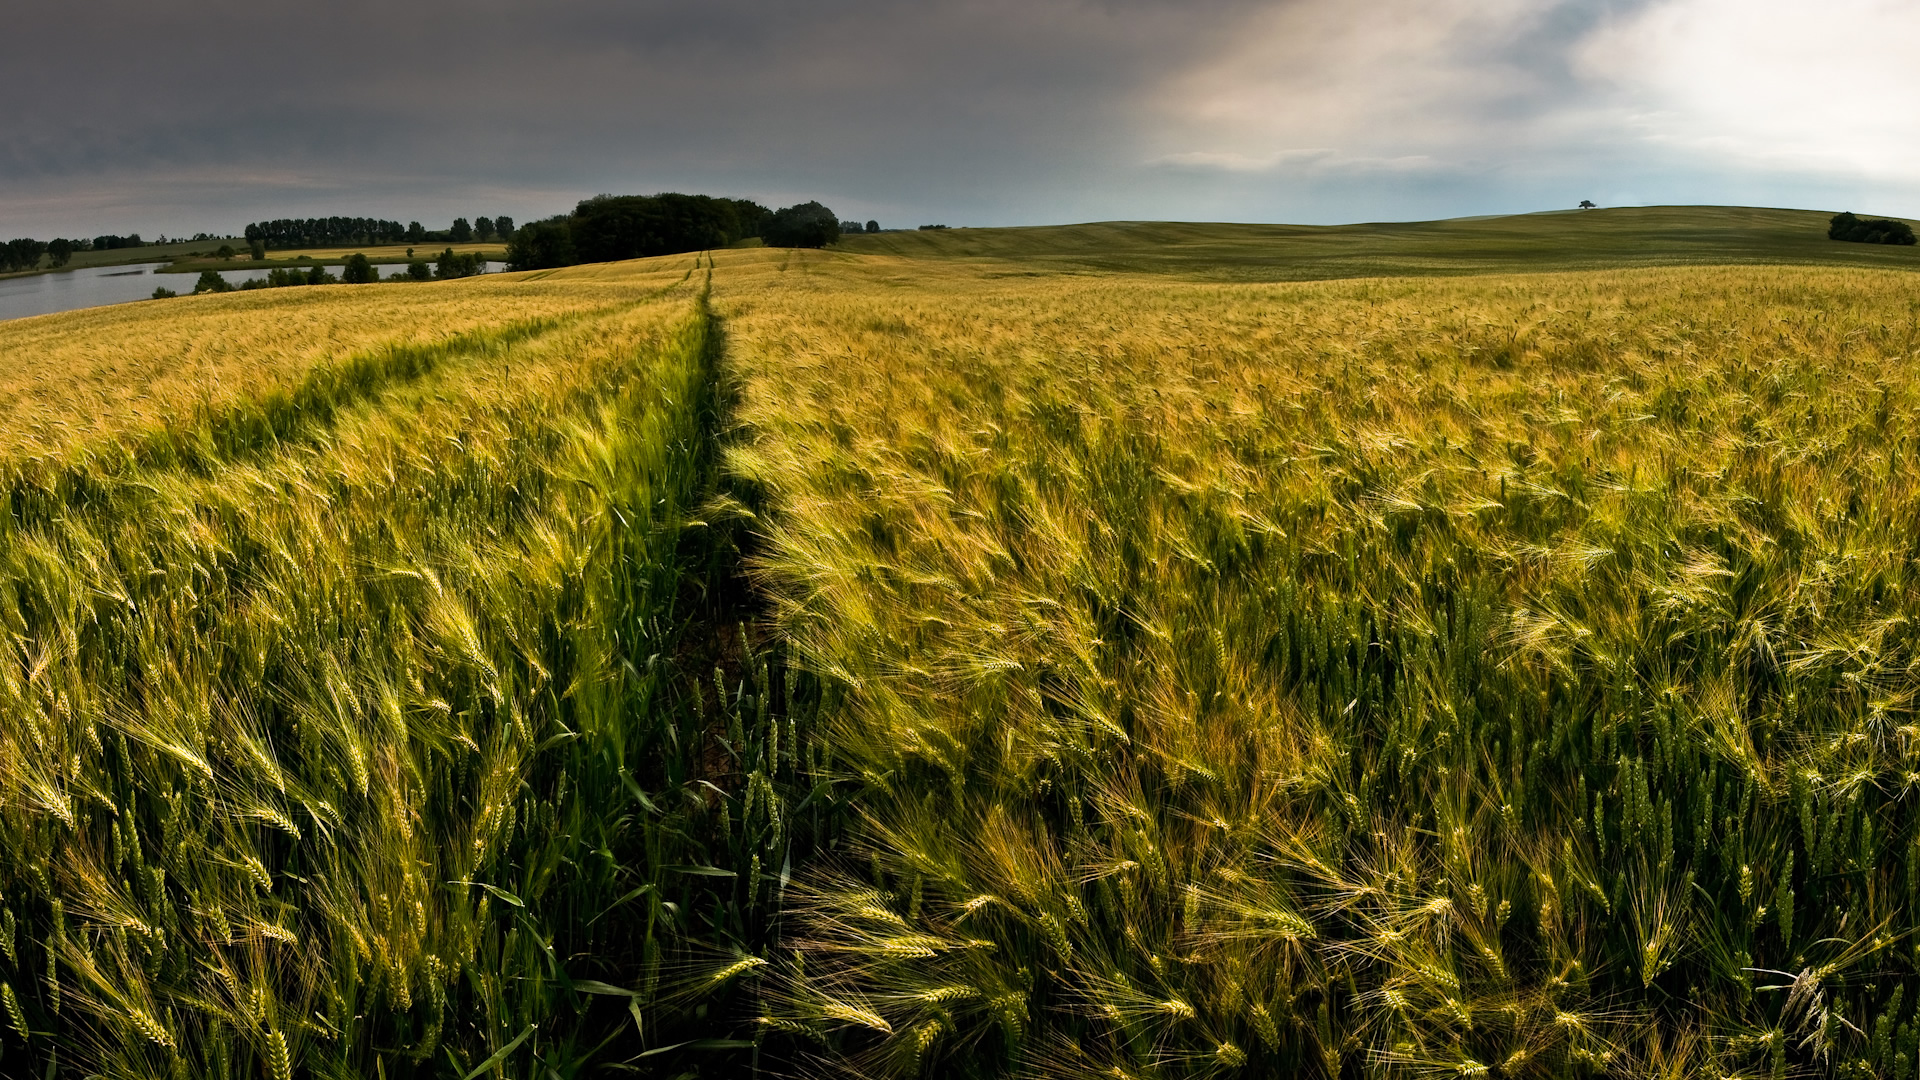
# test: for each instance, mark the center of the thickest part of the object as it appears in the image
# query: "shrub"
(164, 293)
(211, 281)
(359, 270)
(1845, 226)
(458, 266)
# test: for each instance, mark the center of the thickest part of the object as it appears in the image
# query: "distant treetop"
(1587, 204)
(324, 232)
(341, 231)
(1845, 226)
(807, 225)
(609, 227)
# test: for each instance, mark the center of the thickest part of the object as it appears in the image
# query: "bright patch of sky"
(1476, 105)
(1768, 84)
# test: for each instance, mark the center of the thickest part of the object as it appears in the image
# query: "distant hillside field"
(1100, 651)
(383, 254)
(1559, 240)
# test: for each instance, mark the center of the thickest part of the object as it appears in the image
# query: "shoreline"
(192, 262)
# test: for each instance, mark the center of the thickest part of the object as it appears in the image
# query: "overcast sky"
(128, 115)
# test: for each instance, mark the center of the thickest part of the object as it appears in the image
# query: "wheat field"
(88, 375)
(861, 664)
(1505, 675)
(349, 724)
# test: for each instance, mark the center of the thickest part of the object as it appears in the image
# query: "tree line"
(607, 228)
(25, 253)
(287, 233)
(359, 270)
(21, 254)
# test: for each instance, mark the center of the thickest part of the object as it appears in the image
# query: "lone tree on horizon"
(1587, 204)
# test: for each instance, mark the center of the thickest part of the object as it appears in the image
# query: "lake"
(44, 294)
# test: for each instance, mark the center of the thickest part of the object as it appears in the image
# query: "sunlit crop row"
(348, 724)
(87, 375)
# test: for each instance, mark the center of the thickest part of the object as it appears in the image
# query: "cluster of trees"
(483, 229)
(25, 253)
(281, 277)
(808, 225)
(929, 228)
(1845, 226)
(327, 232)
(21, 254)
(277, 278)
(856, 227)
(341, 231)
(607, 228)
(542, 245)
(450, 265)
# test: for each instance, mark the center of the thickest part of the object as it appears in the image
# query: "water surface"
(44, 294)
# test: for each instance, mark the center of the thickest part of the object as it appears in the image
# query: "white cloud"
(1689, 99)
(1770, 84)
(1396, 83)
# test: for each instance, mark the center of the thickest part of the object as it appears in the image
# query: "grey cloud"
(866, 101)
(974, 111)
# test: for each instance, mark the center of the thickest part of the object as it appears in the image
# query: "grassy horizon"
(378, 254)
(1559, 240)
